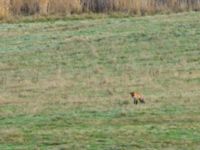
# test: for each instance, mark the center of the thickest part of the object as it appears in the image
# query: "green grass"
(65, 84)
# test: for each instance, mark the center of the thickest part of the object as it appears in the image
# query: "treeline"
(49, 7)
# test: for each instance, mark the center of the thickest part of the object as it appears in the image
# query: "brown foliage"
(4, 8)
(141, 7)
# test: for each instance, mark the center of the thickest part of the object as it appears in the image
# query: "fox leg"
(142, 100)
(134, 100)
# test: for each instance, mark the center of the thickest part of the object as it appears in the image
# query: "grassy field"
(65, 84)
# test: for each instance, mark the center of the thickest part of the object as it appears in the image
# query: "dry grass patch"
(11, 135)
(65, 7)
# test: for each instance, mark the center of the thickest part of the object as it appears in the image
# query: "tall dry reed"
(64, 6)
(4, 8)
(140, 7)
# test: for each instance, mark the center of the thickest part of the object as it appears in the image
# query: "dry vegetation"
(139, 7)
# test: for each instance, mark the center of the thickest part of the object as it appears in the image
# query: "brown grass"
(64, 6)
(138, 7)
(4, 8)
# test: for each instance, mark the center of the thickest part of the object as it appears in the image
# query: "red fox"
(137, 97)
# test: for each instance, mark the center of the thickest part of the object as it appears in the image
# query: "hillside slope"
(66, 84)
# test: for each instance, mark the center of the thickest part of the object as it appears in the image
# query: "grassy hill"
(65, 84)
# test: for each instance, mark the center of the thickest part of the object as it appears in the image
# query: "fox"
(137, 97)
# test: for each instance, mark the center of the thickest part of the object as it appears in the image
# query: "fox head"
(132, 94)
